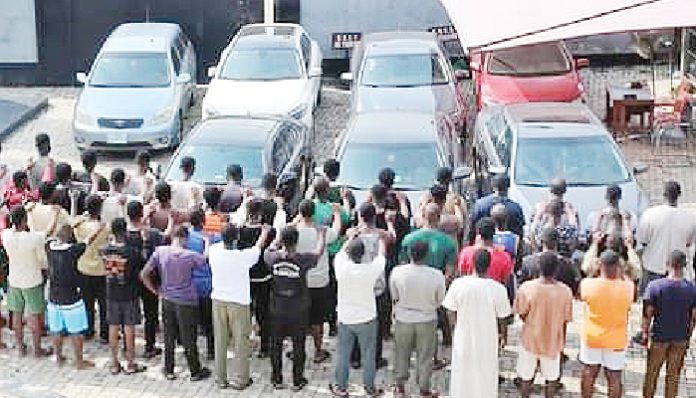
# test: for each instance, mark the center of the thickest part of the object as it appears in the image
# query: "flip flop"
(137, 368)
(116, 369)
(86, 364)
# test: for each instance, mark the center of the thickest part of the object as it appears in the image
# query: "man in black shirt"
(123, 262)
(290, 302)
(67, 313)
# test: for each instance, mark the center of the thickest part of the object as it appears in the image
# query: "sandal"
(135, 368)
(43, 352)
(85, 365)
(321, 356)
(439, 364)
(116, 368)
(337, 392)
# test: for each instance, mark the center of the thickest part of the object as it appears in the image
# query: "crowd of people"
(86, 257)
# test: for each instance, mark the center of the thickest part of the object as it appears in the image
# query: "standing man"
(482, 207)
(603, 342)
(175, 266)
(186, 194)
(417, 291)
(232, 194)
(500, 267)
(357, 312)
(670, 305)
(546, 306)
(231, 297)
(478, 305)
(114, 205)
(41, 169)
(442, 249)
(25, 296)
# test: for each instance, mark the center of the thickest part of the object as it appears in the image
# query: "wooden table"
(622, 103)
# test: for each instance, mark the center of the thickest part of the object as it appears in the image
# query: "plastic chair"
(672, 123)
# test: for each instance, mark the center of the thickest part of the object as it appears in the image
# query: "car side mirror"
(81, 77)
(497, 170)
(212, 71)
(581, 63)
(640, 168)
(461, 75)
(183, 78)
(315, 71)
(462, 173)
(346, 77)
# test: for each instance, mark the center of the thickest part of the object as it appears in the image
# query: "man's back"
(417, 291)
(26, 257)
(499, 269)
(674, 301)
(664, 229)
(175, 266)
(290, 295)
(231, 197)
(230, 270)
(606, 314)
(356, 283)
(442, 249)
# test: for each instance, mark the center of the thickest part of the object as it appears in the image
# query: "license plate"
(117, 138)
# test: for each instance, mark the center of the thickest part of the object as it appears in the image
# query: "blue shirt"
(202, 277)
(482, 208)
(673, 301)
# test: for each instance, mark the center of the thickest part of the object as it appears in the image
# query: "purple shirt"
(673, 301)
(175, 269)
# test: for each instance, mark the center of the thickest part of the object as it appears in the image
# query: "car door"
(189, 60)
(179, 88)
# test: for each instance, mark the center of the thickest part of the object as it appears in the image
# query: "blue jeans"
(366, 333)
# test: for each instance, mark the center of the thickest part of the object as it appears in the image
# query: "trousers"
(421, 337)
(673, 353)
(232, 326)
(297, 331)
(180, 321)
(94, 292)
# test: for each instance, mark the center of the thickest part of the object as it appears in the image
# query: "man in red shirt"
(501, 262)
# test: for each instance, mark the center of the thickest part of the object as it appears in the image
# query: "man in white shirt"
(186, 193)
(662, 230)
(26, 254)
(46, 216)
(231, 297)
(357, 312)
(114, 205)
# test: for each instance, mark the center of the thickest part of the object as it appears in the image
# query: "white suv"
(271, 69)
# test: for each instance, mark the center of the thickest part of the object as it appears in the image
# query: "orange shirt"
(606, 313)
(213, 223)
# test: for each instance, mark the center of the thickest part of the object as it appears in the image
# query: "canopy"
(489, 25)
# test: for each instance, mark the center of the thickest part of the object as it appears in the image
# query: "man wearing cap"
(482, 207)
(603, 341)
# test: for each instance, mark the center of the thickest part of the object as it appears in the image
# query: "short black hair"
(558, 186)
(677, 259)
(143, 158)
(163, 192)
(42, 139)
(549, 236)
(439, 193)
(548, 264)
(418, 251)
(187, 163)
(269, 181)
(46, 191)
(355, 248)
(89, 160)
(19, 178)
(235, 172)
(63, 172)
(367, 212)
(18, 215)
(379, 193)
(672, 190)
(289, 236)
(501, 182)
(386, 177)
(332, 168)
(197, 218)
(93, 204)
(119, 227)
(321, 186)
(255, 208)
(306, 208)
(613, 193)
(118, 176)
(482, 260)
(444, 175)
(486, 228)
(134, 209)
(212, 195)
(181, 232)
(230, 234)
(609, 258)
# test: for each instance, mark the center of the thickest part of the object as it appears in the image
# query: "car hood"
(507, 89)
(584, 199)
(131, 103)
(234, 97)
(438, 98)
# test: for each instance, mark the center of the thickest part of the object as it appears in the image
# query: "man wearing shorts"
(67, 314)
(122, 262)
(608, 301)
(25, 251)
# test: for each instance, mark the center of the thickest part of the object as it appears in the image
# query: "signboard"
(449, 38)
(18, 31)
(345, 40)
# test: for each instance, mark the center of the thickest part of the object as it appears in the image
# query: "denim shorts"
(70, 318)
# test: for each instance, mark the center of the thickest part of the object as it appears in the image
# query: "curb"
(25, 117)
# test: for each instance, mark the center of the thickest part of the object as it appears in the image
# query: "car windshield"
(414, 164)
(212, 161)
(582, 161)
(538, 59)
(131, 70)
(403, 70)
(262, 64)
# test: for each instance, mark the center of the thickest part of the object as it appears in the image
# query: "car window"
(262, 64)
(212, 160)
(176, 61)
(503, 146)
(283, 147)
(399, 70)
(306, 50)
(495, 125)
(131, 70)
(538, 59)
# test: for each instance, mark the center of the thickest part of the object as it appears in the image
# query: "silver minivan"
(138, 90)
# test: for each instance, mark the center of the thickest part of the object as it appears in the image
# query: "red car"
(535, 73)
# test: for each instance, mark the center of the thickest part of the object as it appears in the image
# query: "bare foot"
(43, 352)
(84, 364)
(60, 360)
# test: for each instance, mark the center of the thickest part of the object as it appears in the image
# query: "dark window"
(176, 61)
(503, 146)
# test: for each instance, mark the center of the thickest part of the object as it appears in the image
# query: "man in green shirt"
(442, 253)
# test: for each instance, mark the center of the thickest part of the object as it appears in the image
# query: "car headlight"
(298, 112)
(164, 115)
(83, 118)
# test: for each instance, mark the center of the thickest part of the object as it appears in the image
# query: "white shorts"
(606, 357)
(550, 368)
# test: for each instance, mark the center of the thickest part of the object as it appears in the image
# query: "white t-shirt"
(663, 229)
(230, 269)
(186, 194)
(318, 276)
(27, 256)
(356, 283)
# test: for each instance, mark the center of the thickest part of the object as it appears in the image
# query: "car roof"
(553, 119)
(385, 43)
(267, 36)
(141, 37)
(396, 127)
(232, 130)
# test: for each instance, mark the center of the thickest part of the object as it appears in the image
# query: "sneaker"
(152, 352)
(373, 391)
(202, 374)
(299, 386)
(336, 391)
(241, 387)
(321, 356)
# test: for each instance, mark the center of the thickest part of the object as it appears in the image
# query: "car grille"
(130, 144)
(120, 123)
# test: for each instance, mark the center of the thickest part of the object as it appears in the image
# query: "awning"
(487, 25)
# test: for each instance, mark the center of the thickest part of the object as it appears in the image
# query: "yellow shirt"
(608, 302)
(91, 263)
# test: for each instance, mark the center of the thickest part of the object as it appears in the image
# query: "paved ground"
(43, 379)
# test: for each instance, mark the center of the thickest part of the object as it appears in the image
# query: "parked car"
(405, 71)
(138, 90)
(258, 144)
(543, 72)
(536, 142)
(270, 69)
(413, 144)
